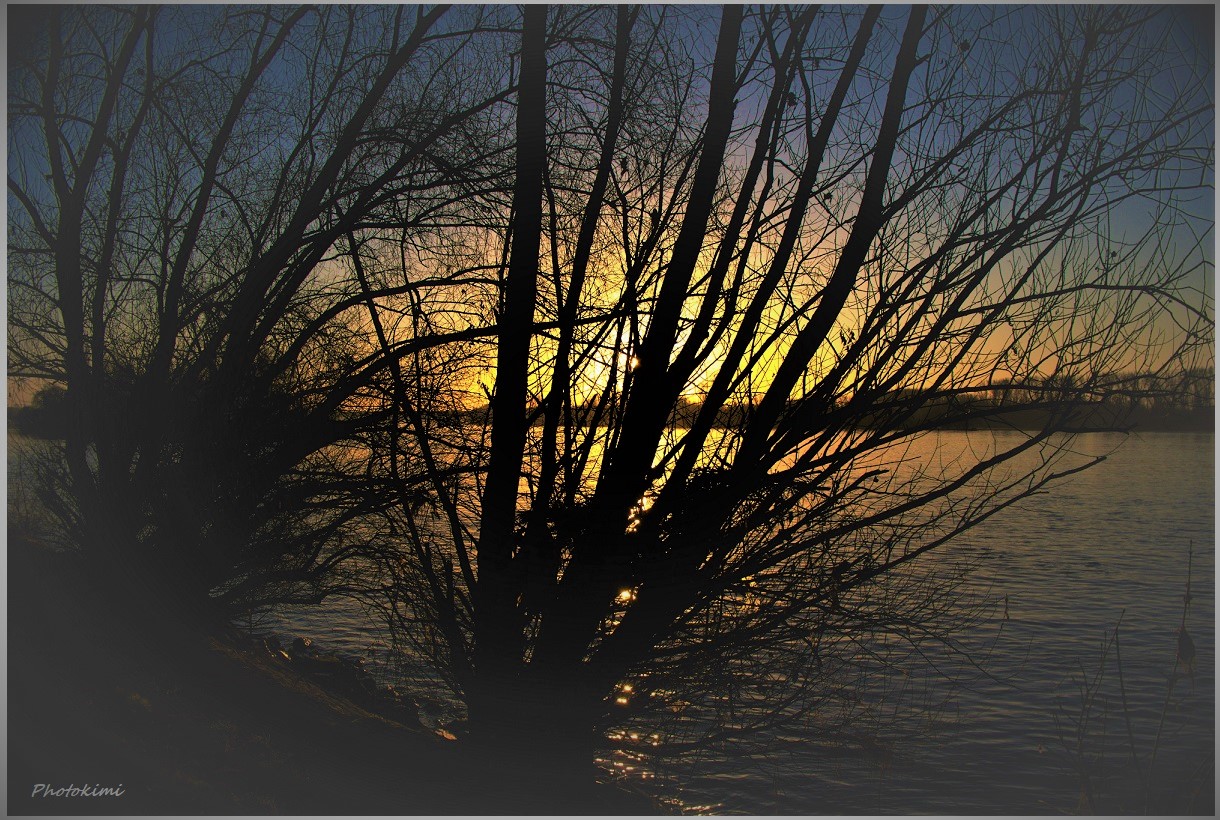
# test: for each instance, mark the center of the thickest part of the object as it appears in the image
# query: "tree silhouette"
(603, 347)
(176, 207)
(775, 261)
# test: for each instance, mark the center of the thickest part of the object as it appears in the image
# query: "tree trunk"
(535, 741)
(498, 627)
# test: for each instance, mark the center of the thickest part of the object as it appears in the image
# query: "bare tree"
(181, 213)
(759, 262)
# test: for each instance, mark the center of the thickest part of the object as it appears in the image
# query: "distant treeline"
(1187, 404)
(973, 413)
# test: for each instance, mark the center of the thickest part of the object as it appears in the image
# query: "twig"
(1173, 678)
(1122, 689)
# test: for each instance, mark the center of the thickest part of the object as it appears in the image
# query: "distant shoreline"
(35, 423)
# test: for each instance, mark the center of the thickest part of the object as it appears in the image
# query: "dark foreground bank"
(105, 718)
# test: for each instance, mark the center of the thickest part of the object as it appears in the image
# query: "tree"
(741, 275)
(177, 207)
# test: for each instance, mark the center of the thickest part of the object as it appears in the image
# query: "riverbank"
(160, 722)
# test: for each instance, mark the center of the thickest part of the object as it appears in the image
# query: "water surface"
(1109, 545)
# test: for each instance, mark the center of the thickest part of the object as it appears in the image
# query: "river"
(1055, 714)
(1110, 547)
(1113, 542)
